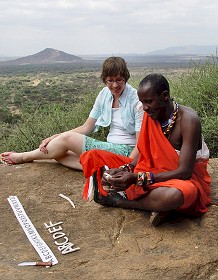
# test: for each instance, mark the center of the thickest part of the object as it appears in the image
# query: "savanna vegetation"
(36, 103)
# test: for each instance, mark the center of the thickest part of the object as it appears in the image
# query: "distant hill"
(47, 56)
(7, 58)
(187, 50)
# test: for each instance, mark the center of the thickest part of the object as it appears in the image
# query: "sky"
(88, 27)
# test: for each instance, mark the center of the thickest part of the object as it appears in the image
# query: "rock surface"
(115, 243)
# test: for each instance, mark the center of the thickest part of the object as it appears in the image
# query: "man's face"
(153, 104)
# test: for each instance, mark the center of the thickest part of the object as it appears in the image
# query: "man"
(170, 171)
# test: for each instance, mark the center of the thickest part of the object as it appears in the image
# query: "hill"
(47, 56)
(187, 50)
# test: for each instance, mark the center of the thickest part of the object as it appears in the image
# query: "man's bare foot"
(157, 218)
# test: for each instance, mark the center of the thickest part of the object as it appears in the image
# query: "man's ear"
(165, 95)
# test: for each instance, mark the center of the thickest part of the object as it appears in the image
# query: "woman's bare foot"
(12, 158)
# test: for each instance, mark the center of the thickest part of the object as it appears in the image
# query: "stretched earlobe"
(165, 95)
(166, 98)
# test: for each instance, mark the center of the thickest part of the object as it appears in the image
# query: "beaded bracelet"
(150, 178)
(141, 179)
(144, 179)
(127, 167)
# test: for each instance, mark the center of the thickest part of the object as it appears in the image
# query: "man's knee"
(168, 198)
(174, 198)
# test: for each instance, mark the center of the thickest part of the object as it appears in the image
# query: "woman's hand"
(44, 143)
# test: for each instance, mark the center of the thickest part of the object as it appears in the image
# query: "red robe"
(156, 155)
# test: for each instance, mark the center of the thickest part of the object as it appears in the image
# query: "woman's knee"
(69, 137)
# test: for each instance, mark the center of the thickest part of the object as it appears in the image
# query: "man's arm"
(191, 134)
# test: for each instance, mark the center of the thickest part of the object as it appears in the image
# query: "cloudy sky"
(82, 27)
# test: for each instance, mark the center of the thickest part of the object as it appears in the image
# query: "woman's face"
(116, 84)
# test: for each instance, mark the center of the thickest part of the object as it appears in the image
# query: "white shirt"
(117, 133)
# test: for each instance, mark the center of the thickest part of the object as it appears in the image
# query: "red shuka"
(156, 155)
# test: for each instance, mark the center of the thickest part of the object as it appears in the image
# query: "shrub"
(45, 121)
(196, 88)
(199, 89)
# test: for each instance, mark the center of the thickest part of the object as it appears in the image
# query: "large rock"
(115, 243)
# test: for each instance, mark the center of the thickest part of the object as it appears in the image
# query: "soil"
(114, 243)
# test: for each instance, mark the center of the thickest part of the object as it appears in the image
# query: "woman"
(117, 106)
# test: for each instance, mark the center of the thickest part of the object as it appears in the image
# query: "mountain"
(187, 50)
(7, 58)
(47, 56)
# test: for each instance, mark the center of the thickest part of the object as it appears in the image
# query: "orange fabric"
(156, 155)
(93, 160)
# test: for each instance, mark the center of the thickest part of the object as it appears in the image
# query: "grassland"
(36, 102)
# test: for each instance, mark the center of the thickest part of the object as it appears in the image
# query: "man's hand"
(108, 174)
(120, 180)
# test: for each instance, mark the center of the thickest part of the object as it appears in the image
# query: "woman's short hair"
(114, 66)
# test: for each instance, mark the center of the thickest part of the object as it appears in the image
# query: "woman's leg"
(57, 148)
(71, 160)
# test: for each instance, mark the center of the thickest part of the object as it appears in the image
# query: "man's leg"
(160, 199)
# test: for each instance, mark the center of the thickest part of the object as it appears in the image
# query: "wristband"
(144, 179)
(141, 179)
(150, 178)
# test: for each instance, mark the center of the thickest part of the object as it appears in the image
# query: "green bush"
(196, 88)
(45, 121)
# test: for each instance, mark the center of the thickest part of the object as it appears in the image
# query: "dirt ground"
(114, 243)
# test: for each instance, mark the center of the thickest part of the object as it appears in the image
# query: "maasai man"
(170, 171)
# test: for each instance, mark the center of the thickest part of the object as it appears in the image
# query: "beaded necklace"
(171, 121)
